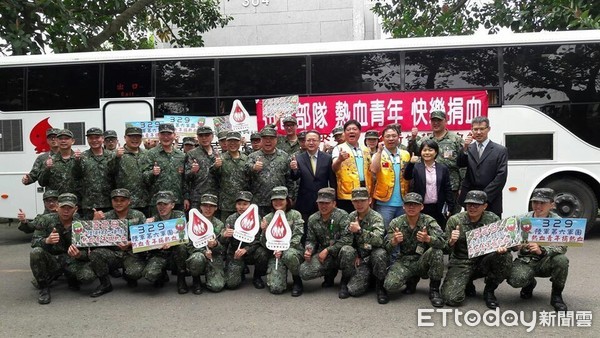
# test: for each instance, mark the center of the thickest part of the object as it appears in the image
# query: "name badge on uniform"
(420, 250)
(448, 153)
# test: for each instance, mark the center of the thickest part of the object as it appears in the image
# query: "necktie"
(313, 163)
(480, 149)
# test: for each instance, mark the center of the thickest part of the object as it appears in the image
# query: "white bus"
(543, 91)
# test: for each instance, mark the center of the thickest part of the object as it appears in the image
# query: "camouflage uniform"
(205, 180)
(29, 227)
(368, 246)
(233, 177)
(60, 176)
(462, 270)
(49, 260)
(287, 146)
(38, 166)
(323, 234)
(275, 172)
(410, 263)
(255, 254)
(290, 258)
(94, 174)
(169, 178)
(128, 175)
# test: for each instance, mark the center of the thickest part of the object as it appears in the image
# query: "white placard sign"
(200, 229)
(247, 225)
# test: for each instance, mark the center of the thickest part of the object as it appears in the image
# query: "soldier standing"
(541, 261)
(255, 143)
(40, 161)
(232, 175)
(372, 141)
(58, 168)
(201, 165)
(222, 137)
(366, 256)
(288, 143)
(495, 266)
(421, 241)
(50, 198)
(129, 165)
(93, 169)
(189, 143)
(53, 253)
(327, 234)
(111, 140)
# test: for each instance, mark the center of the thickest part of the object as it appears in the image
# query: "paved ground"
(256, 313)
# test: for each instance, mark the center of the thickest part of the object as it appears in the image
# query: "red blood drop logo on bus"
(38, 136)
(278, 230)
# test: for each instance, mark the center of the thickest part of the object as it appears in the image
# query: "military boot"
(73, 283)
(328, 280)
(556, 299)
(411, 286)
(298, 287)
(527, 291)
(489, 297)
(343, 294)
(434, 293)
(259, 270)
(44, 297)
(196, 286)
(382, 296)
(182, 287)
(470, 290)
(104, 287)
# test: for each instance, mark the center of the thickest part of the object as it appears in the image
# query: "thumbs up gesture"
(98, 215)
(398, 237)
(195, 166)
(455, 234)
(354, 226)
(344, 155)
(380, 146)
(53, 238)
(120, 151)
(294, 163)
(218, 160)
(77, 154)
(258, 165)
(49, 162)
(156, 169)
(414, 159)
(21, 216)
(468, 140)
(422, 236)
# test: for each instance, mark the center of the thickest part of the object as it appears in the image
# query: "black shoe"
(382, 296)
(258, 283)
(162, 280)
(196, 286)
(73, 284)
(411, 286)
(246, 269)
(298, 287)
(104, 287)
(556, 300)
(44, 297)
(488, 296)
(470, 290)
(343, 293)
(434, 293)
(527, 291)
(182, 287)
(131, 283)
(328, 281)
(115, 273)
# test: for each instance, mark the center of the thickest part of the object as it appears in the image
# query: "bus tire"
(575, 199)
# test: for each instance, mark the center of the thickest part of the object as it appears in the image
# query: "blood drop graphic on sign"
(200, 229)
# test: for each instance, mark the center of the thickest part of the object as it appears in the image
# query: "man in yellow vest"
(351, 163)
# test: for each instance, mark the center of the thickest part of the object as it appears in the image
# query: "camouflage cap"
(291, 119)
(359, 194)
(244, 196)
(255, 136)
(437, 114)
(65, 132)
(166, 128)
(279, 193)
(209, 199)
(94, 131)
(133, 131)
(222, 134)
(188, 140)
(204, 130)
(67, 199)
(268, 132)
(50, 194)
(413, 197)
(234, 135)
(372, 134)
(337, 131)
(476, 197)
(121, 192)
(326, 195)
(52, 131)
(110, 134)
(164, 196)
(542, 195)
(302, 135)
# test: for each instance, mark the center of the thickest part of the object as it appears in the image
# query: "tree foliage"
(35, 26)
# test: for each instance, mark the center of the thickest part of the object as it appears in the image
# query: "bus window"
(63, 87)
(469, 68)
(188, 107)
(249, 104)
(185, 78)
(78, 130)
(530, 146)
(262, 76)
(11, 89)
(11, 135)
(131, 79)
(369, 72)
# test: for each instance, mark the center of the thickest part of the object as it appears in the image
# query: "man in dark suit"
(313, 170)
(487, 165)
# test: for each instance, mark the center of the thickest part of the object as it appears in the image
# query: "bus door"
(117, 112)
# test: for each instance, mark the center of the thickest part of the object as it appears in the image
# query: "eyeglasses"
(479, 129)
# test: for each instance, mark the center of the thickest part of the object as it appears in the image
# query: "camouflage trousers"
(103, 260)
(525, 269)
(234, 268)
(45, 266)
(214, 270)
(493, 266)
(277, 278)
(152, 267)
(428, 265)
(376, 263)
(314, 269)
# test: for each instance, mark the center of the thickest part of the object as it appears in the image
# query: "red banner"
(376, 110)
